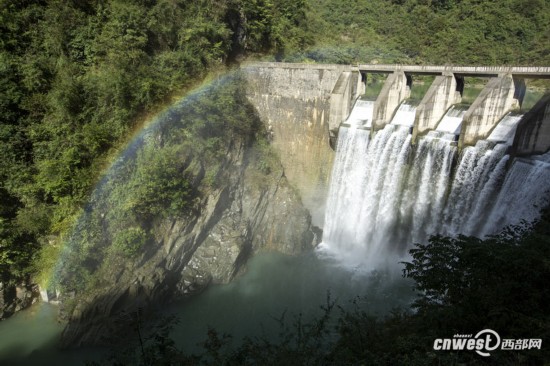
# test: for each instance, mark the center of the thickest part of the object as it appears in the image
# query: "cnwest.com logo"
(484, 342)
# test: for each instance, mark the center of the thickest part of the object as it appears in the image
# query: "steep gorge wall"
(210, 154)
(294, 103)
(250, 212)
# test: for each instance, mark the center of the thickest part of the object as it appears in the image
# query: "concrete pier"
(494, 101)
(304, 104)
(443, 93)
(347, 89)
(396, 89)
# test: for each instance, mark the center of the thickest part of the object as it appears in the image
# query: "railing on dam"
(525, 71)
(539, 72)
(332, 89)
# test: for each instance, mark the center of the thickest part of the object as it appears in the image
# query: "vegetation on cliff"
(165, 174)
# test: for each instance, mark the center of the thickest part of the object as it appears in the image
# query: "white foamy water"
(386, 194)
(525, 191)
(505, 130)
(378, 200)
(361, 114)
(452, 121)
(405, 115)
(474, 171)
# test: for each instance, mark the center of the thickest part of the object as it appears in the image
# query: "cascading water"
(386, 194)
(525, 183)
(427, 185)
(470, 177)
(404, 115)
(477, 180)
(361, 114)
(452, 120)
(377, 199)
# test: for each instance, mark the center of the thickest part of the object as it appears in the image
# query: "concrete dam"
(405, 170)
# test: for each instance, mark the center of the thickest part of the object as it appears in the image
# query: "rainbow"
(70, 242)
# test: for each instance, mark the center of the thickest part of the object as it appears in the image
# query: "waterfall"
(386, 194)
(471, 176)
(377, 199)
(524, 192)
(361, 114)
(452, 120)
(428, 184)
(478, 178)
(405, 115)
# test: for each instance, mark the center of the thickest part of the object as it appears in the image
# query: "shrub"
(130, 241)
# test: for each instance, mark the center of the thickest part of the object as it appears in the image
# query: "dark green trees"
(466, 32)
(76, 79)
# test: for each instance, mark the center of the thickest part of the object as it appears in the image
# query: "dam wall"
(303, 105)
(296, 103)
(533, 131)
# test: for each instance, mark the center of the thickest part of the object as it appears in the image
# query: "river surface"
(272, 285)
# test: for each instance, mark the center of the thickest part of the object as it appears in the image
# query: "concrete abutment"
(445, 91)
(347, 89)
(396, 89)
(495, 100)
(533, 131)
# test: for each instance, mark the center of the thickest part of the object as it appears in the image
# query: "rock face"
(16, 297)
(251, 211)
(294, 102)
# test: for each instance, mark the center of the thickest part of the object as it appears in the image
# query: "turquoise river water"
(272, 285)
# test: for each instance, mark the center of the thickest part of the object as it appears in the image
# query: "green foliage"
(17, 247)
(164, 174)
(264, 25)
(159, 185)
(466, 32)
(16, 253)
(499, 283)
(129, 241)
(76, 79)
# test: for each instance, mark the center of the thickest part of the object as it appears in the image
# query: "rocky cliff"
(251, 207)
(14, 298)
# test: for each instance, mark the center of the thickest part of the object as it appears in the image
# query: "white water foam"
(377, 197)
(505, 130)
(405, 115)
(452, 121)
(361, 114)
(386, 194)
(524, 193)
